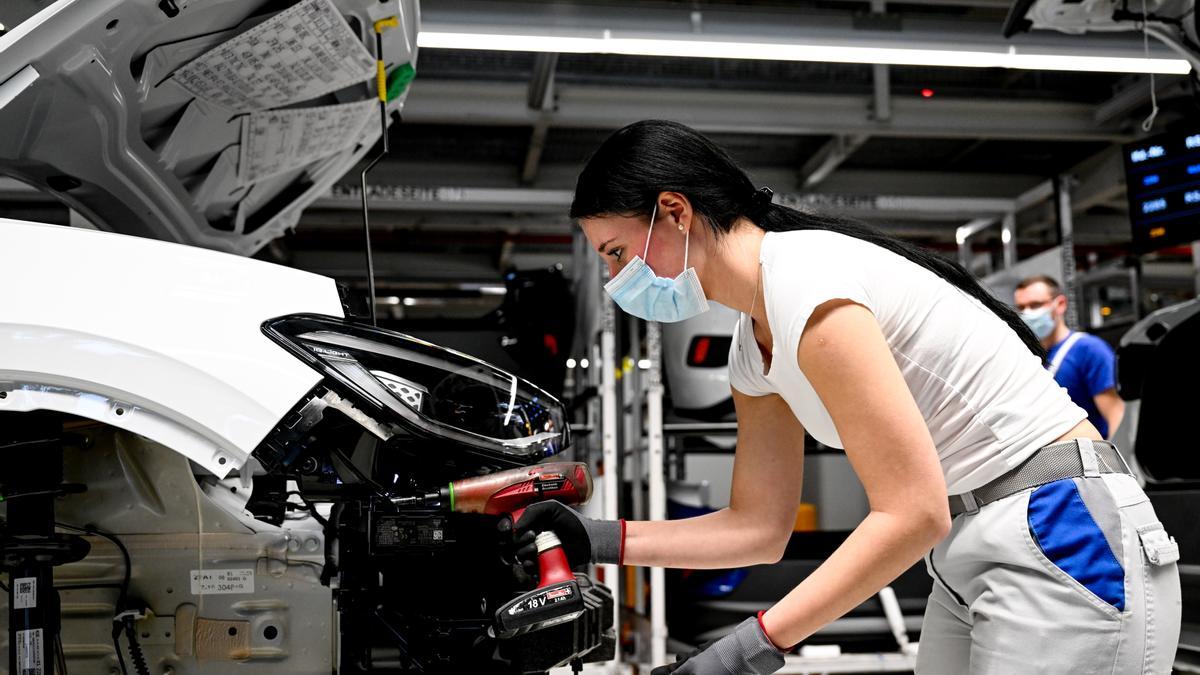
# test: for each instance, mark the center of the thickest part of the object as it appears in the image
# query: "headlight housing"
(427, 389)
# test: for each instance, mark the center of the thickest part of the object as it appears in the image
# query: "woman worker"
(1046, 554)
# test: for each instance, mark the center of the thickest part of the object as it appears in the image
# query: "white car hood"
(112, 106)
(160, 339)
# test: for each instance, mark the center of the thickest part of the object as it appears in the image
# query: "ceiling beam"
(539, 98)
(807, 33)
(1136, 95)
(752, 112)
(828, 158)
(529, 200)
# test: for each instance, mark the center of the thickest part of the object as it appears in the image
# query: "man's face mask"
(1040, 321)
(642, 293)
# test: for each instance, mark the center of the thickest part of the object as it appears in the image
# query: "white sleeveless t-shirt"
(986, 399)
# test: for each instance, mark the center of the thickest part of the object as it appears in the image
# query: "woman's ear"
(677, 208)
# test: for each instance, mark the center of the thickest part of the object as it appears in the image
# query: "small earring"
(681, 227)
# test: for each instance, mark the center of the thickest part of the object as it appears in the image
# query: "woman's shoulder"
(816, 244)
(800, 255)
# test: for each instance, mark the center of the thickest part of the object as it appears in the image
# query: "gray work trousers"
(1077, 576)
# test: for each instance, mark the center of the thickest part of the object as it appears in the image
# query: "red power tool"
(557, 599)
(509, 492)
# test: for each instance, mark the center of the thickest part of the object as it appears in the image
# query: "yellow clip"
(381, 81)
(380, 70)
(390, 22)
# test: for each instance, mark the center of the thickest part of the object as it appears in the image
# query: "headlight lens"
(431, 390)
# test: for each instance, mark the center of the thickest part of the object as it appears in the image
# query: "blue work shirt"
(1089, 368)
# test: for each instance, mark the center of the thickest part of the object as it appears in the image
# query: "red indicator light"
(927, 93)
(700, 350)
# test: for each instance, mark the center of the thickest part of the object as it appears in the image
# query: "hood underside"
(206, 123)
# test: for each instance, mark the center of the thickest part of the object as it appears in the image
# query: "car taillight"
(709, 351)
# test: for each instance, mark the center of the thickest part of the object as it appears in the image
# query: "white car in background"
(696, 360)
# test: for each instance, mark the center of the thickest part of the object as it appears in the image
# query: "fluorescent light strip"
(896, 56)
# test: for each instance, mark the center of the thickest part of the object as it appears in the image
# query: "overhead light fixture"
(1009, 57)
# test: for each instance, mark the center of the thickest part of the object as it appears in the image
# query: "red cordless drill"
(557, 598)
(509, 492)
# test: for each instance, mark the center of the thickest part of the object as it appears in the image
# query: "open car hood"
(212, 124)
(1172, 22)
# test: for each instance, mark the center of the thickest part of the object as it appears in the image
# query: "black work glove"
(584, 539)
(745, 651)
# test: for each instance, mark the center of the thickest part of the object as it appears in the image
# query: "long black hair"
(628, 171)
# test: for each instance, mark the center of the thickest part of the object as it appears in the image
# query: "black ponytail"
(629, 170)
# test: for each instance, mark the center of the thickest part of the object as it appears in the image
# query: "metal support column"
(611, 457)
(1008, 239)
(964, 253)
(1196, 264)
(1066, 229)
(635, 394)
(881, 109)
(656, 465)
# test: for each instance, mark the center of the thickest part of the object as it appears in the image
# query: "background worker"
(1082, 363)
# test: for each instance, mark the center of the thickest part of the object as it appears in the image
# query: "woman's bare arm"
(767, 476)
(844, 355)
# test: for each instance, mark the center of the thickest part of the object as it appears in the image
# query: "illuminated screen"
(1162, 179)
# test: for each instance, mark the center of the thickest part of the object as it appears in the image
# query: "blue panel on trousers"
(1071, 539)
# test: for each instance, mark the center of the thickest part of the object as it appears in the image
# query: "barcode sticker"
(215, 582)
(29, 652)
(25, 593)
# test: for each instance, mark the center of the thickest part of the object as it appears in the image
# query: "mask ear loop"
(686, 238)
(653, 214)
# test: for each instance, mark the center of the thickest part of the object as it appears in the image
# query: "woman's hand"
(583, 539)
(745, 651)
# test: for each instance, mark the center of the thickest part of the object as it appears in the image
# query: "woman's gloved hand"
(584, 539)
(745, 651)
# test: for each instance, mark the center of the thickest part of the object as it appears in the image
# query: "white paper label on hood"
(304, 51)
(276, 141)
(221, 581)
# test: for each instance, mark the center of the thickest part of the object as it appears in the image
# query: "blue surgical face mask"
(1040, 321)
(642, 293)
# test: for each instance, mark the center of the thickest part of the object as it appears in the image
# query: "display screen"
(1162, 179)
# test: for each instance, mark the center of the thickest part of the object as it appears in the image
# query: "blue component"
(1152, 179)
(720, 584)
(1193, 169)
(1069, 536)
(1153, 205)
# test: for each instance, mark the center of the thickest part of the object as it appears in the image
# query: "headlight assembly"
(430, 390)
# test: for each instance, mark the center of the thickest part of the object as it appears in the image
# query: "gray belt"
(1070, 459)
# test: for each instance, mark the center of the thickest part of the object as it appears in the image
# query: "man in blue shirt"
(1083, 364)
